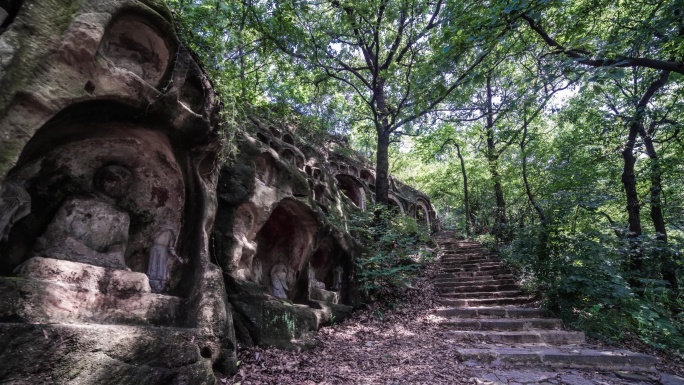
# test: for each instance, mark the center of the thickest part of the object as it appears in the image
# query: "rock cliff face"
(106, 130)
(127, 253)
(281, 235)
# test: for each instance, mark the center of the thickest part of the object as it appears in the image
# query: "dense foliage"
(551, 129)
(396, 247)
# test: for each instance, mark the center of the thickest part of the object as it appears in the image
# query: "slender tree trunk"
(633, 207)
(493, 161)
(382, 168)
(466, 199)
(543, 249)
(383, 130)
(528, 190)
(241, 52)
(636, 125)
(667, 266)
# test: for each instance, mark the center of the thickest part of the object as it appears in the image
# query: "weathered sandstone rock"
(108, 124)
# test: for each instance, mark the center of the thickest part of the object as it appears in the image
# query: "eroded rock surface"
(281, 232)
(107, 124)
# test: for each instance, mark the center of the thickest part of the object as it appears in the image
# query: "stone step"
(551, 337)
(470, 269)
(459, 245)
(473, 265)
(475, 259)
(447, 288)
(486, 301)
(476, 273)
(486, 294)
(504, 324)
(453, 287)
(501, 279)
(561, 358)
(467, 257)
(481, 312)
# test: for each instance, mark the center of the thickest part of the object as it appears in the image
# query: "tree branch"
(583, 57)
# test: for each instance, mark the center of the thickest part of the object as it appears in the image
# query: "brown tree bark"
(383, 129)
(382, 168)
(636, 125)
(466, 199)
(667, 266)
(528, 190)
(629, 183)
(543, 250)
(493, 163)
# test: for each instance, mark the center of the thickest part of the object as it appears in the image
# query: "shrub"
(582, 277)
(396, 249)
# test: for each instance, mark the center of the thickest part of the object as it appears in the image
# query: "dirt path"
(403, 343)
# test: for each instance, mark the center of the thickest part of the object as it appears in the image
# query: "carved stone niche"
(353, 189)
(132, 44)
(288, 155)
(269, 281)
(422, 213)
(328, 273)
(284, 245)
(264, 168)
(368, 177)
(109, 135)
(289, 139)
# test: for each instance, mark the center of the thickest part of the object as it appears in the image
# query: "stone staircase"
(503, 326)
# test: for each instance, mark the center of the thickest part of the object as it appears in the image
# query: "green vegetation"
(396, 248)
(551, 130)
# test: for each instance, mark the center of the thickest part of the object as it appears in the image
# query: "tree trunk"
(633, 208)
(382, 168)
(493, 162)
(466, 199)
(383, 130)
(543, 249)
(667, 267)
(636, 125)
(528, 190)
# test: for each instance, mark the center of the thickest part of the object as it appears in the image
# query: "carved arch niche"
(60, 163)
(368, 177)
(395, 204)
(132, 44)
(328, 273)
(284, 246)
(423, 212)
(289, 139)
(353, 189)
(264, 168)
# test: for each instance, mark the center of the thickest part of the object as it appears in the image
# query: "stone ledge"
(84, 276)
(31, 300)
(103, 354)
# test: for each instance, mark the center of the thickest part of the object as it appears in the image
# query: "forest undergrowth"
(583, 279)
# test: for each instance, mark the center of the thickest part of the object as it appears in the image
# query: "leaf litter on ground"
(398, 340)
